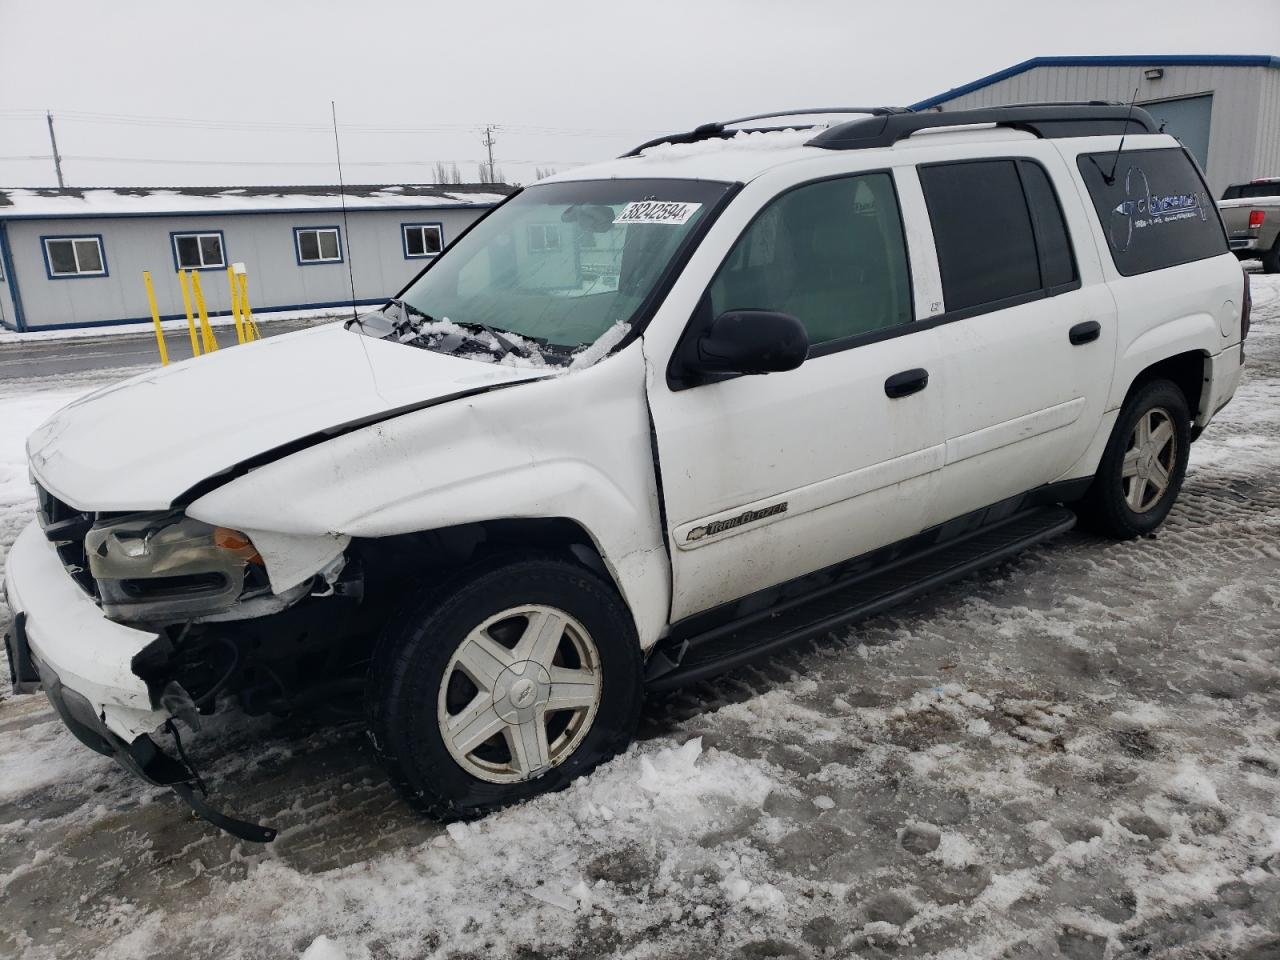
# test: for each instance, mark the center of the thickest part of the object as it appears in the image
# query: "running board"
(695, 658)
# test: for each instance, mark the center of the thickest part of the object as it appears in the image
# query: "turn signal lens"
(229, 539)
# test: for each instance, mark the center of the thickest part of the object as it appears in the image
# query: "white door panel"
(1026, 401)
(855, 469)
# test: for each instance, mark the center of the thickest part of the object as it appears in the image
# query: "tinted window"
(982, 229)
(831, 253)
(1156, 212)
(1057, 262)
(1250, 190)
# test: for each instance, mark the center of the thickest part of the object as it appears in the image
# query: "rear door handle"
(1085, 332)
(906, 383)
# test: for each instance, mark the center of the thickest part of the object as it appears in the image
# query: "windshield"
(551, 271)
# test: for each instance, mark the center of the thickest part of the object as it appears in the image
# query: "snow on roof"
(40, 202)
(743, 156)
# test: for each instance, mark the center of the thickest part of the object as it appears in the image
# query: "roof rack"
(719, 129)
(1046, 120)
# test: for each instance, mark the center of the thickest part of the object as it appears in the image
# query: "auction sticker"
(657, 211)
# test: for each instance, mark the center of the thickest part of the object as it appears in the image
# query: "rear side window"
(999, 232)
(1155, 211)
(831, 253)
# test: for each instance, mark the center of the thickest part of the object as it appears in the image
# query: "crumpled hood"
(140, 444)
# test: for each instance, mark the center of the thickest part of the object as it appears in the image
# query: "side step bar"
(837, 605)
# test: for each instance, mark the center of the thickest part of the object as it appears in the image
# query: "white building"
(1225, 109)
(73, 258)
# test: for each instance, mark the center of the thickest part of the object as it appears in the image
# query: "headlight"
(169, 567)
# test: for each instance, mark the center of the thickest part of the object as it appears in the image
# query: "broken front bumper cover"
(60, 638)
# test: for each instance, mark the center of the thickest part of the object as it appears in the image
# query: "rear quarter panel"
(1191, 307)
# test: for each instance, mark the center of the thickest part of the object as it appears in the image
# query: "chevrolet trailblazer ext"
(642, 422)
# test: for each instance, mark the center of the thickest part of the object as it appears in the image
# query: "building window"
(422, 239)
(74, 257)
(544, 237)
(199, 251)
(317, 244)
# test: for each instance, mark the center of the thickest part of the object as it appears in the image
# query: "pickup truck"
(1251, 214)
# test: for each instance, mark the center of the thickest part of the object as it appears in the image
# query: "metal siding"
(262, 241)
(1266, 160)
(1244, 134)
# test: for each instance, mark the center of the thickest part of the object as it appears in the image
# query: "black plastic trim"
(23, 677)
(1047, 121)
(765, 603)
(719, 128)
(673, 665)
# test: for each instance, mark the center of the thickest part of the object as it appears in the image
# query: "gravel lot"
(1075, 754)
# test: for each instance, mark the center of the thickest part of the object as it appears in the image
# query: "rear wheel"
(526, 677)
(1143, 465)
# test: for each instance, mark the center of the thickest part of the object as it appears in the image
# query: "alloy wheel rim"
(1147, 470)
(519, 694)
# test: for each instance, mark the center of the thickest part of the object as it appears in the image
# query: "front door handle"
(1085, 332)
(906, 383)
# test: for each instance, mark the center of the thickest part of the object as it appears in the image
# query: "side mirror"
(753, 341)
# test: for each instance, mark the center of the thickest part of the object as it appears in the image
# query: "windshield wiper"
(407, 308)
(510, 345)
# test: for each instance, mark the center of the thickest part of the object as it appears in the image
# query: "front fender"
(575, 446)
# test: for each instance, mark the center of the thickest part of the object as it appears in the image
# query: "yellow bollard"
(251, 327)
(210, 342)
(235, 304)
(191, 322)
(155, 318)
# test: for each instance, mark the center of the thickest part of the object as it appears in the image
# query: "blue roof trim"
(1172, 60)
(394, 208)
(257, 312)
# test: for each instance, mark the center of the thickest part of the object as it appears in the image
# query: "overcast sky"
(248, 82)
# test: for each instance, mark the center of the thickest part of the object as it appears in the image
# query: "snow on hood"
(141, 443)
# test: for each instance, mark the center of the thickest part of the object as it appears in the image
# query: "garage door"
(1187, 118)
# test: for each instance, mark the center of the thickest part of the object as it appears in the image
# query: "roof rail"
(719, 128)
(1047, 120)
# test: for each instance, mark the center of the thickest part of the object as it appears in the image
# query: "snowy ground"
(1076, 755)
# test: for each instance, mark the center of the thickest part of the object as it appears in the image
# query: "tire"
(473, 660)
(1126, 499)
(1271, 259)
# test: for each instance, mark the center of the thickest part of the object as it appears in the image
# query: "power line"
(191, 161)
(80, 116)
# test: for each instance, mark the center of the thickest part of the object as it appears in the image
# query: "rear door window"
(983, 232)
(1155, 209)
(1057, 260)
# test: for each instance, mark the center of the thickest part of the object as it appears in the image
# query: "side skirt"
(729, 636)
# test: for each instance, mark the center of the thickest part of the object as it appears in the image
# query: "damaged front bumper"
(60, 636)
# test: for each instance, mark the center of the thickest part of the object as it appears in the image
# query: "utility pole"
(489, 141)
(57, 160)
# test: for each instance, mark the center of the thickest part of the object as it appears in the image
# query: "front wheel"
(1143, 465)
(527, 676)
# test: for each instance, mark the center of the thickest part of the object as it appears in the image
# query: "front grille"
(66, 527)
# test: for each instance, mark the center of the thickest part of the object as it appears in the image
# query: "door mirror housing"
(751, 342)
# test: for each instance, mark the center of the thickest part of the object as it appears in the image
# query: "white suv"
(552, 472)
